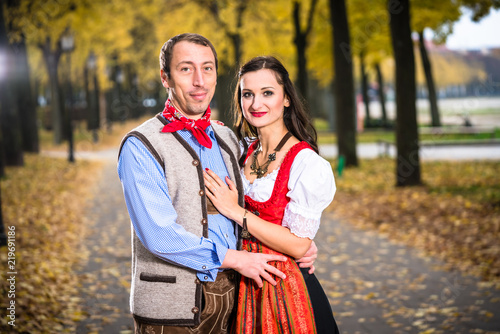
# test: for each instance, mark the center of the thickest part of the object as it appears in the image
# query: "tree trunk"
(224, 96)
(431, 89)
(408, 161)
(92, 98)
(344, 84)
(224, 89)
(364, 89)
(9, 114)
(25, 99)
(3, 236)
(97, 105)
(300, 47)
(2, 157)
(381, 95)
(52, 60)
(301, 42)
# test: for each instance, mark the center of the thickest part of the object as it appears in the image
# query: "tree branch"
(310, 17)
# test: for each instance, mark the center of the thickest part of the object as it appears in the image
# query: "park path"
(106, 276)
(374, 285)
(379, 286)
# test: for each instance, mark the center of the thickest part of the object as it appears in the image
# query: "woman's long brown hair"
(296, 119)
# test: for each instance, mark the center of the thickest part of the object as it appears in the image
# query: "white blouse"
(311, 189)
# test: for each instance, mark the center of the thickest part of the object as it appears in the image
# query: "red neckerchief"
(179, 122)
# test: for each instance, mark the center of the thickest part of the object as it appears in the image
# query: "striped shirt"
(153, 215)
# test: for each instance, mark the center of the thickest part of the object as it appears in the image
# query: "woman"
(287, 186)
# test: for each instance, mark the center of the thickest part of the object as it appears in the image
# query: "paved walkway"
(427, 152)
(378, 286)
(106, 276)
(375, 286)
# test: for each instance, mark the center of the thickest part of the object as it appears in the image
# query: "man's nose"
(198, 78)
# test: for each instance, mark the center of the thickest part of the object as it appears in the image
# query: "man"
(183, 251)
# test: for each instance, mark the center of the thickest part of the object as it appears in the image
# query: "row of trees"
(318, 40)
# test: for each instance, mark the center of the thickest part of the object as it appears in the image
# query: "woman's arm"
(275, 236)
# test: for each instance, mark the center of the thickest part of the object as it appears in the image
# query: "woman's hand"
(307, 261)
(224, 197)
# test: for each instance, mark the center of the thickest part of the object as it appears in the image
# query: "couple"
(208, 208)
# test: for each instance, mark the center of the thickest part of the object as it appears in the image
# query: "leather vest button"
(256, 213)
(201, 193)
(197, 281)
(195, 310)
(195, 162)
(203, 221)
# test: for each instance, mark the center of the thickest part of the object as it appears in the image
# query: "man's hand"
(307, 261)
(254, 265)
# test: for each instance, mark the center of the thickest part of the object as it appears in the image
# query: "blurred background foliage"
(125, 37)
(92, 67)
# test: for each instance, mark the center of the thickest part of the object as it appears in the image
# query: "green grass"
(372, 136)
(325, 136)
(458, 111)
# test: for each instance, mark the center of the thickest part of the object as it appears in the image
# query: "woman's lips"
(258, 114)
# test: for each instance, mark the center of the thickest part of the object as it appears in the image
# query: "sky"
(471, 35)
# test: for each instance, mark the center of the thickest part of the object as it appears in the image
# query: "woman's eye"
(268, 93)
(246, 95)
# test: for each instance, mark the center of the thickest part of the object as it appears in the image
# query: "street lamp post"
(94, 109)
(67, 46)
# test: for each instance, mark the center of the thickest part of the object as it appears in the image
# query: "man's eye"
(209, 68)
(184, 69)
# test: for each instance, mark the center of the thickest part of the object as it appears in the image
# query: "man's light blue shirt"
(153, 215)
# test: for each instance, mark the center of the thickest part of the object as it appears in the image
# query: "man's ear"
(164, 79)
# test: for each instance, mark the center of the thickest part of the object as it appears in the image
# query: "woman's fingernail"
(206, 169)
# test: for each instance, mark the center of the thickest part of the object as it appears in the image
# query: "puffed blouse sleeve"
(311, 189)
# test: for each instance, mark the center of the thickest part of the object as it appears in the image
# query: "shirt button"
(227, 236)
(206, 277)
(203, 221)
(204, 267)
(201, 193)
(195, 162)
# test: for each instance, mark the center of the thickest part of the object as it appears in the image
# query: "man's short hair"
(168, 48)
